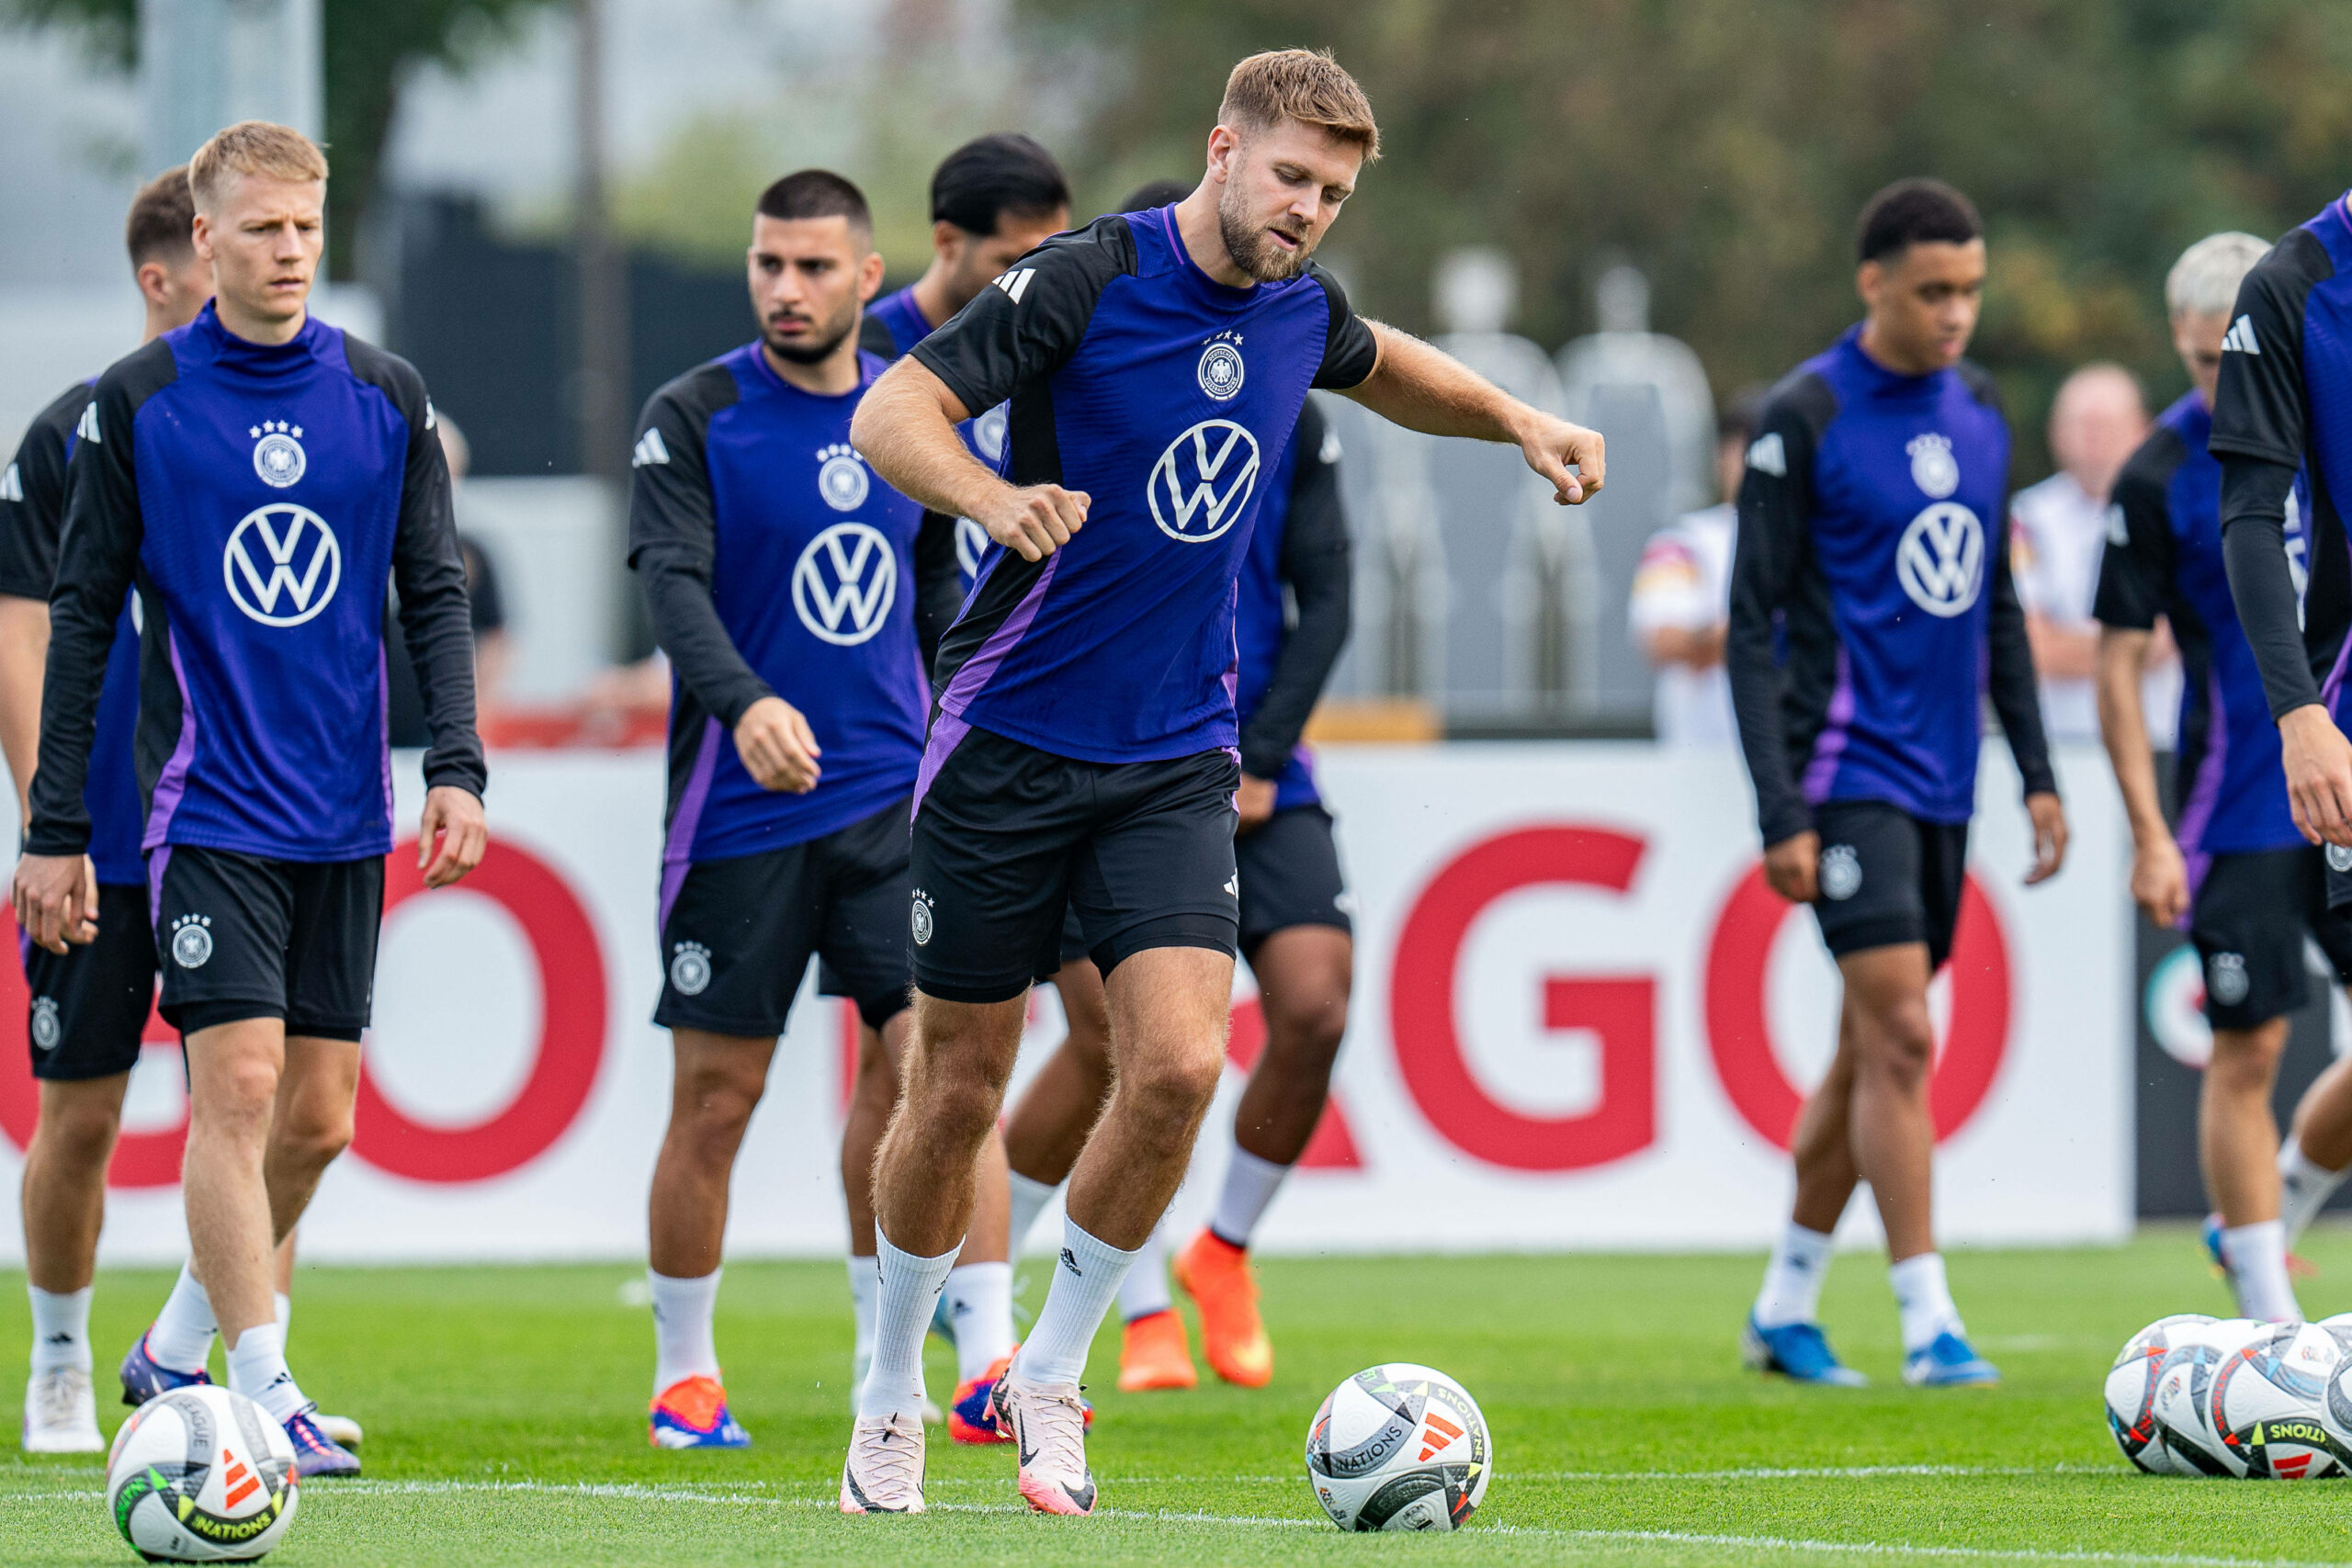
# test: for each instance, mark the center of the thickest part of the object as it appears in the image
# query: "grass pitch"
(504, 1410)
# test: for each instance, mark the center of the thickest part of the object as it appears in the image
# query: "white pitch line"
(1899, 1549)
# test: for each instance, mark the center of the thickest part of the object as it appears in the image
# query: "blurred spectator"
(2058, 530)
(1681, 601)
(405, 705)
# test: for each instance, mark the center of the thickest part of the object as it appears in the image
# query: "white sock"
(283, 1304)
(257, 1369)
(909, 1294)
(1793, 1278)
(682, 1338)
(2256, 1256)
(61, 1328)
(864, 1286)
(1029, 1199)
(181, 1337)
(1145, 1289)
(2304, 1188)
(1924, 1298)
(979, 1303)
(1085, 1280)
(1250, 1184)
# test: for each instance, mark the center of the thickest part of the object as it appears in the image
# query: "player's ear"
(869, 277)
(1870, 281)
(948, 241)
(1225, 146)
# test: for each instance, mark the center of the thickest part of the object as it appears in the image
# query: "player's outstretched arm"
(2135, 572)
(905, 427)
(1424, 388)
(2016, 701)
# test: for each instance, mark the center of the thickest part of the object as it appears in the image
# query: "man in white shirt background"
(1681, 601)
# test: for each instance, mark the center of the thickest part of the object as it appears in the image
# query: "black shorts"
(738, 938)
(90, 1005)
(2248, 922)
(1009, 838)
(1290, 875)
(1888, 878)
(242, 936)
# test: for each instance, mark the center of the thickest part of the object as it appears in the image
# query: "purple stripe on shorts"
(156, 863)
(1830, 744)
(172, 784)
(945, 736)
(2334, 681)
(678, 846)
(976, 670)
(2205, 793)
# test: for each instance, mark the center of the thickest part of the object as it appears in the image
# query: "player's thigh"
(737, 942)
(996, 833)
(88, 1006)
(1943, 884)
(1159, 871)
(1290, 876)
(1871, 886)
(331, 952)
(2248, 925)
(223, 922)
(862, 936)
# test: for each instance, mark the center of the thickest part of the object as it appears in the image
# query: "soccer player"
(1295, 931)
(2238, 875)
(2283, 405)
(1873, 547)
(781, 577)
(1082, 741)
(261, 475)
(88, 1006)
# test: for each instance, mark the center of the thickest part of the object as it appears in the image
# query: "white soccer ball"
(201, 1475)
(1399, 1447)
(2184, 1394)
(2132, 1389)
(2269, 1404)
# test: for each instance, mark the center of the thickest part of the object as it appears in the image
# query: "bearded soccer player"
(1082, 736)
(1874, 549)
(261, 476)
(2237, 876)
(781, 579)
(2283, 406)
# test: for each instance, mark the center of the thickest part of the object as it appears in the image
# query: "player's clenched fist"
(453, 835)
(778, 748)
(1033, 521)
(1793, 865)
(2318, 774)
(1570, 458)
(56, 898)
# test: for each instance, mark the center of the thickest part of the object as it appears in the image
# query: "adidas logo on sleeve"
(1016, 283)
(648, 451)
(12, 485)
(2241, 338)
(1770, 455)
(88, 429)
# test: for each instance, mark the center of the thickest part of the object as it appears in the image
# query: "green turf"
(505, 1413)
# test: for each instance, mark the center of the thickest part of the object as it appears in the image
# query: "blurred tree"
(1724, 147)
(372, 47)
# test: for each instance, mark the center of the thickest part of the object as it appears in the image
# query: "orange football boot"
(1155, 1353)
(1215, 1274)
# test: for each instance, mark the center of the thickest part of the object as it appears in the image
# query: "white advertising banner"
(1581, 1021)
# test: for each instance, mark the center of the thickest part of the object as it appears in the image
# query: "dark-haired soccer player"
(88, 1005)
(2283, 405)
(1873, 548)
(782, 580)
(1082, 740)
(261, 476)
(2238, 875)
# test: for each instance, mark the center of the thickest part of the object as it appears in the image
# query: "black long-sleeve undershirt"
(2254, 549)
(1317, 564)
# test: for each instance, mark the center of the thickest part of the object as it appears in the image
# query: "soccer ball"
(201, 1475)
(2183, 1387)
(1399, 1447)
(2268, 1401)
(2132, 1390)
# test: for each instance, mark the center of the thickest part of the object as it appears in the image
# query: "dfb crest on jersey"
(845, 583)
(1221, 370)
(690, 969)
(988, 430)
(1933, 468)
(282, 555)
(1941, 562)
(192, 941)
(972, 542)
(47, 1030)
(841, 479)
(278, 457)
(1206, 476)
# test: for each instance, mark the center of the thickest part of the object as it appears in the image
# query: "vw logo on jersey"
(282, 564)
(988, 431)
(971, 543)
(278, 457)
(1202, 481)
(1933, 468)
(1221, 370)
(845, 583)
(1941, 562)
(841, 479)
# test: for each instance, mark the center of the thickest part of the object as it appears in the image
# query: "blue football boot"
(1948, 1361)
(143, 1377)
(1798, 1351)
(315, 1453)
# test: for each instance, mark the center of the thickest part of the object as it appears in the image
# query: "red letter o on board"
(1622, 1010)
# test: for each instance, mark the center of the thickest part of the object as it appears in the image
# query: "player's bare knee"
(1899, 1042)
(2247, 1060)
(1303, 1028)
(1169, 1087)
(313, 1140)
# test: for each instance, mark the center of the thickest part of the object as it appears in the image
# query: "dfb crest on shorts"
(192, 941)
(2339, 859)
(1941, 562)
(282, 564)
(47, 1030)
(1221, 370)
(2225, 979)
(690, 969)
(1201, 485)
(841, 479)
(1841, 873)
(918, 921)
(845, 583)
(278, 457)
(1933, 468)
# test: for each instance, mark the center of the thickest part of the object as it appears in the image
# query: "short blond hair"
(1303, 85)
(2204, 281)
(251, 147)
